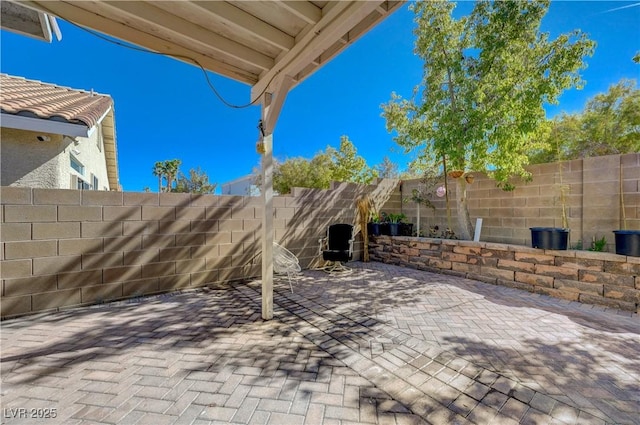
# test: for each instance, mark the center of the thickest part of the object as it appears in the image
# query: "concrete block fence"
(590, 277)
(62, 248)
(592, 200)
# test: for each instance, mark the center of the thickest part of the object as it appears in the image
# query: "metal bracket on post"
(260, 149)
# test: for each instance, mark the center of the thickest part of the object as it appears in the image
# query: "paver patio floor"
(383, 344)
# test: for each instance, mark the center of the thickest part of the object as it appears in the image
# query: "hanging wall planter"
(549, 238)
(456, 174)
(627, 242)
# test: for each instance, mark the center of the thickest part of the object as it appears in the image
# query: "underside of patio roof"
(270, 45)
(255, 42)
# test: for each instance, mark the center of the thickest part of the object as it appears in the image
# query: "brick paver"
(382, 344)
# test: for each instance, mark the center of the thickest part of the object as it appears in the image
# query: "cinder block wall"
(592, 201)
(63, 248)
(589, 277)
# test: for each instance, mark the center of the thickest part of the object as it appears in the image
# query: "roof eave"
(110, 149)
(44, 125)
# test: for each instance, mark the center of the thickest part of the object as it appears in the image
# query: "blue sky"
(165, 110)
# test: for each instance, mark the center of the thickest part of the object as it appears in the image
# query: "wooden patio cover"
(270, 45)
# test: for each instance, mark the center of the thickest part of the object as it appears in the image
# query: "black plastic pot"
(549, 237)
(374, 229)
(627, 242)
(384, 229)
(394, 229)
(406, 229)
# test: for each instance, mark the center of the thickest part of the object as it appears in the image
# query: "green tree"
(486, 78)
(171, 171)
(318, 172)
(167, 170)
(196, 182)
(609, 124)
(158, 170)
(301, 172)
(387, 169)
(347, 165)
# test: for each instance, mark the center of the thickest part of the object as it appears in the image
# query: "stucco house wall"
(54, 137)
(27, 161)
(90, 152)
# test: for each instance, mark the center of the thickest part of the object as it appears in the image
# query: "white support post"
(271, 107)
(267, 228)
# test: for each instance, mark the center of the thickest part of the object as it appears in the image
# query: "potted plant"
(404, 228)
(384, 224)
(554, 237)
(627, 241)
(394, 221)
(374, 225)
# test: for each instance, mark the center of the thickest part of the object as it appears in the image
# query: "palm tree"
(159, 170)
(168, 170)
(171, 171)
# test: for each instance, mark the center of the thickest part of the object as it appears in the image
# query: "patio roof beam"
(72, 12)
(333, 25)
(276, 103)
(242, 21)
(183, 32)
(307, 11)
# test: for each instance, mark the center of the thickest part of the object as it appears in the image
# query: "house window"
(77, 165)
(78, 183)
(95, 183)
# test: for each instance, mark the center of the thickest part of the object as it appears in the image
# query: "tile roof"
(48, 101)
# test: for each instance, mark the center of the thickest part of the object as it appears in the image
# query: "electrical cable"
(174, 56)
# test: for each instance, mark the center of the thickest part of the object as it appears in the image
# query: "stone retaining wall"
(589, 277)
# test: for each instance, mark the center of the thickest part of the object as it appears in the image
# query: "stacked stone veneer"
(590, 277)
(64, 248)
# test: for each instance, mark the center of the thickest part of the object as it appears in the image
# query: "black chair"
(337, 246)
